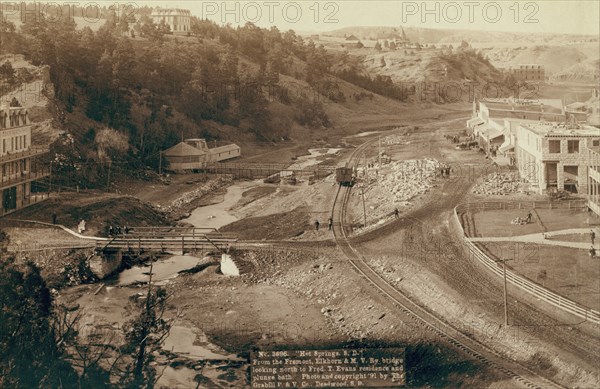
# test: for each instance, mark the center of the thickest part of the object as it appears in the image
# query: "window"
(596, 142)
(573, 146)
(554, 146)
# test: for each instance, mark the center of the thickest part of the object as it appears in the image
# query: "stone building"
(494, 120)
(554, 156)
(179, 20)
(594, 181)
(528, 72)
(19, 165)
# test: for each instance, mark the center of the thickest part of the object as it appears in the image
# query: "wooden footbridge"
(168, 239)
(260, 170)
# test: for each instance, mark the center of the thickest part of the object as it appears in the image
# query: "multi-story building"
(528, 72)
(554, 156)
(512, 108)
(18, 161)
(179, 20)
(594, 180)
(494, 122)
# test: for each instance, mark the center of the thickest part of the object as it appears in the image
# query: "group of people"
(525, 220)
(445, 171)
(117, 230)
(329, 224)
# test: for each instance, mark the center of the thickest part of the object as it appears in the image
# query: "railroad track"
(519, 373)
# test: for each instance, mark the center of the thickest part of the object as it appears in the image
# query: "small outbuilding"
(193, 154)
(182, 156)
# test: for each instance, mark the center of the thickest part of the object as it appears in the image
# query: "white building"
(179, 20)
(554, 156)
(19, 165)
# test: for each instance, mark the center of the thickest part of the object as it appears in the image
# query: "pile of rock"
(409, 179)
(497, 184)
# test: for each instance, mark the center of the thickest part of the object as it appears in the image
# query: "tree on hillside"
(7, 73)
(378, 46)
(392, 45)
(8, 37)
(30, 356)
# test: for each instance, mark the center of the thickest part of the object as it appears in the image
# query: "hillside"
(556, 52)
(555, 59)
(119, 99)
(451, 36)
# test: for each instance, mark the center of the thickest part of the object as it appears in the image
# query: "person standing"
(317, 224)
(330, 224)
(396, 213)
(53, 218)
(592, 236)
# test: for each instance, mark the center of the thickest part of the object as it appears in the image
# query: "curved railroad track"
(520, 374)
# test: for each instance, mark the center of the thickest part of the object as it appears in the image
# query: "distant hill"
(449, 36)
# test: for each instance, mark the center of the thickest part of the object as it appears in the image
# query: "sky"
(525, 16)
(547, 16)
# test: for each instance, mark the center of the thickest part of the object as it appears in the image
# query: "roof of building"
(182, 149)
(170, 12)
(561, 129)
(222, 149)
(475, 122)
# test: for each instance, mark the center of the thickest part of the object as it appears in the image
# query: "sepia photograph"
(299, 194)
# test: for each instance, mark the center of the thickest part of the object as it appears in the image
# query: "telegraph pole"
(379, 152)
(362, 191)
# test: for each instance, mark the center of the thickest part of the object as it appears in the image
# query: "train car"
(344, 176)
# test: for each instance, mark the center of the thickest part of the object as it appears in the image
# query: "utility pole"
(108, 178)
(50, 180)
(379, 152)
(160, 162)
(362, 191)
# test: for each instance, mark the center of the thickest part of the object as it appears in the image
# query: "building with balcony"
(494, 120)
(19, 162)
(555, 156)
(178, 20)
(594, 181)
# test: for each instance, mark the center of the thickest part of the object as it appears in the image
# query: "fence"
(536, 290)
(495, 205)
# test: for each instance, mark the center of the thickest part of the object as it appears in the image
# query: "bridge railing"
(523, 283)
(183, 244)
